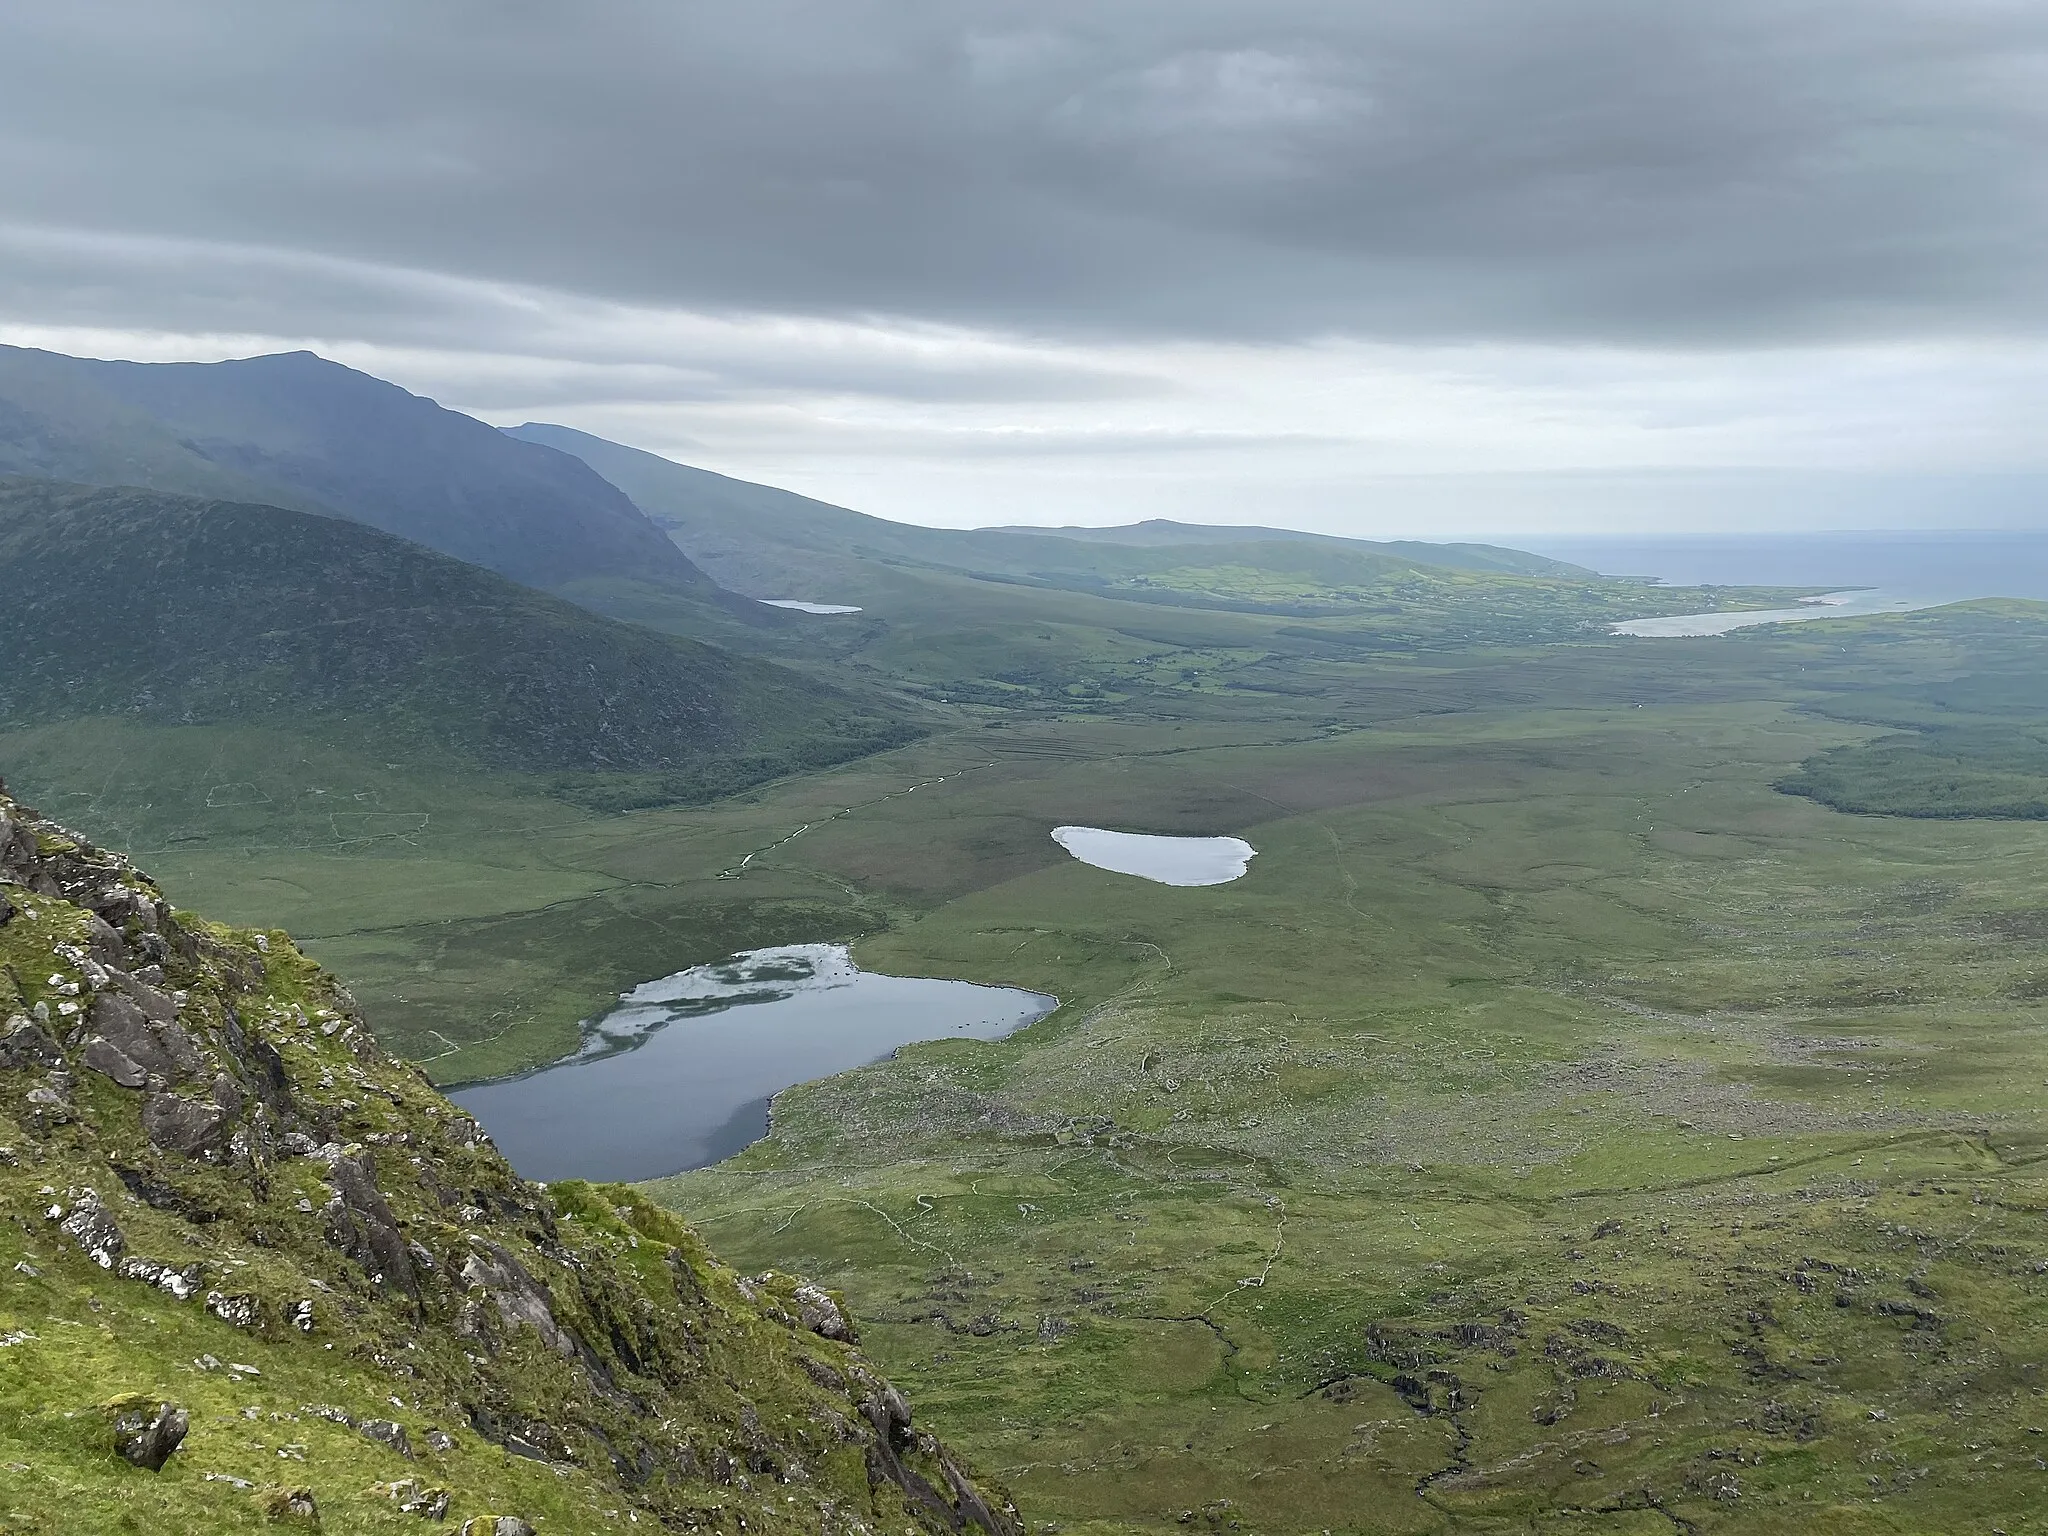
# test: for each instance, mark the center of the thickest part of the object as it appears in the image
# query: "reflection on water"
(680, 1074)
(1169, 860)
(803, 607)
(1835, 605)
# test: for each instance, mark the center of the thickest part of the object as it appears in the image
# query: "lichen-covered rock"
(179, 1282)
(89, 1225)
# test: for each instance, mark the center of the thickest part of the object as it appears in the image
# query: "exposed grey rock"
(227, 1094)
(190, 1126)
(519, 1445)
(413, 1499)
(822, 1315)
(360, 1223)
(17, 848)
(157, 1005)
(26, 1045)
(518, 1296)
(822, 1374)
(163, 1048)
(386, 1433)
(110, 1061)
(104, 944)
(146, 1433)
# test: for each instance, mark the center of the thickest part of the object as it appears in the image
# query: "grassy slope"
(177, 611)
(571, 1356)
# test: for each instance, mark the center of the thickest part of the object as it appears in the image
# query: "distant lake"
(797, 605)
(681, 1073)
(1168, 860)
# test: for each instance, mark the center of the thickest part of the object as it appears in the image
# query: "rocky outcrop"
(517, 1297)
(197, 1118)
(146, 1433)
(359, 1222)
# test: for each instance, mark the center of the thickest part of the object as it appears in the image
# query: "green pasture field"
(1560, 1127)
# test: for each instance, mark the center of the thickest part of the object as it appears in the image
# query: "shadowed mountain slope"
(296, 430)
(180, 611)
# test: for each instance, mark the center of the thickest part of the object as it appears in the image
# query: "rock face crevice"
(176, 1097)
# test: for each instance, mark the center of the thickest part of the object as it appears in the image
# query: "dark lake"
(680, 1074)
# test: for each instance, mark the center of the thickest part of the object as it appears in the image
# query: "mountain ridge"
(301, 431)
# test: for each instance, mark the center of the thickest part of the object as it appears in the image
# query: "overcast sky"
(1470, 266)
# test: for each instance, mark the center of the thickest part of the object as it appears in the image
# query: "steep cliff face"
(251, 1271)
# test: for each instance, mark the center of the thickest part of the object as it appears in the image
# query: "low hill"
(178, 610)
(298, 431)
(763, 541)
(259, 1274)
(1457, 557)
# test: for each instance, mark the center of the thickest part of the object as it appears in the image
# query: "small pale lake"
(680, 1074)
(798, 605)
(1836, 605)
(1168, 860)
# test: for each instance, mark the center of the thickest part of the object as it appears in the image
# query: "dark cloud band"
(1570, 170)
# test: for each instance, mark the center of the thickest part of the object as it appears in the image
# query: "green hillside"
(763, 541)
(1972, 744)
(174, 611)
(260, 1275)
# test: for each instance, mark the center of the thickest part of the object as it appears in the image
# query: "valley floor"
(1559, 1128)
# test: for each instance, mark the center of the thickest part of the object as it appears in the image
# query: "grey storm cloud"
(1616, 172)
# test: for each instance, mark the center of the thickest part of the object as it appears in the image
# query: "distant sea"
(1904, 569)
